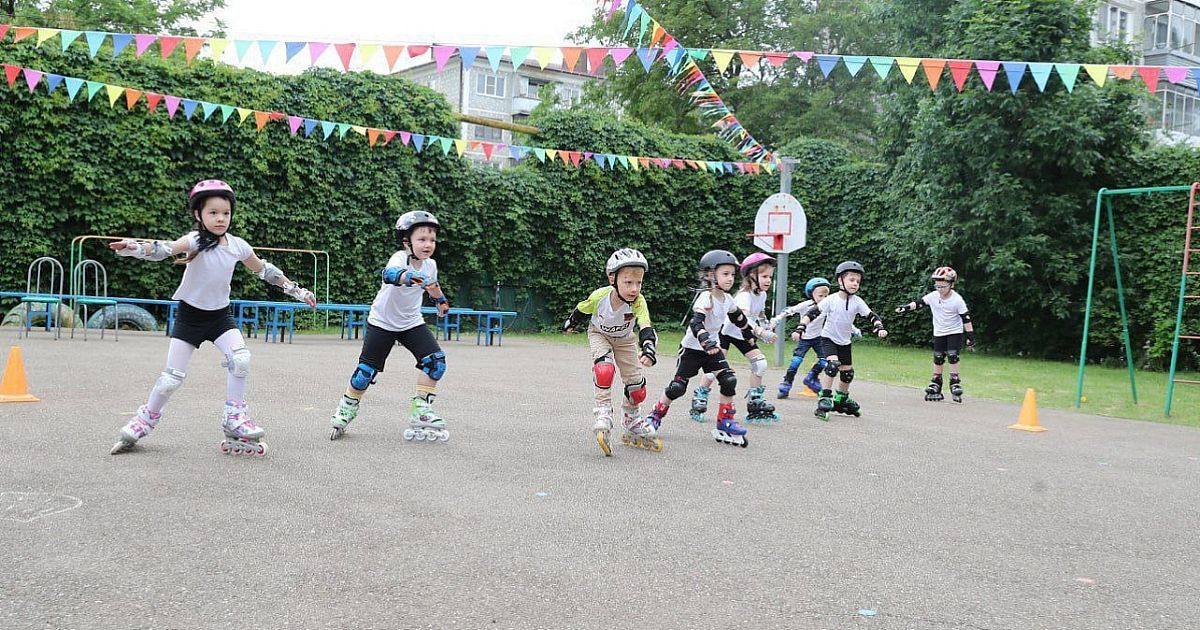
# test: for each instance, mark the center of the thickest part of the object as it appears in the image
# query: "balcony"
(523, 105)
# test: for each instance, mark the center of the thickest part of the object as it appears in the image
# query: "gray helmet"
(413, 219)
(847, 267)
(716, 258)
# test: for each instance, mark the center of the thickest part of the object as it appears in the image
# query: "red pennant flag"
(777, 59)
(571, 57)
(152, 100)
(21, 32)
(487, 150)
(1150, 76)
(387, 136)
(414, 51)
(11, 73)
(959, 70)
(595, 57)
(345, 51)
(260, 120)
(749, 59)
(678, 163)
(933, 71)
(576, 158)
(3, 30)
(372, 136)
(645, 162)
(131, 97)
(191, 47)
(1122, 72)
(392, 53)
(278, 116)
(168, 44)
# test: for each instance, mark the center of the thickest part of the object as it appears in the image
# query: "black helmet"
(847, 267)
(411, 220)
(716, 258)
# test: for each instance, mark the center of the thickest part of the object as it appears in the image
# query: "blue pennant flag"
(73, 86)
(468, 55)
(189, 106)
(208, 109)
(293, 49)
(120, 41)
(648, 56)
(827, 63)
(1041, 74)
(418, 141)
(309, 126)
(327, 128)
(52, 82)
(1015, 71)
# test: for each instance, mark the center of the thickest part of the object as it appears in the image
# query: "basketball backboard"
(780, 225)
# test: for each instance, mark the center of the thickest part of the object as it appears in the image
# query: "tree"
(148, 16)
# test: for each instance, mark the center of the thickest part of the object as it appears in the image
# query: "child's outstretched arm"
(876, 324)
(273, 276)
(584, 310)
(915, 305)
(149, 250)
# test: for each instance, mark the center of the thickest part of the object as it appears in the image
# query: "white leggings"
(180, 353)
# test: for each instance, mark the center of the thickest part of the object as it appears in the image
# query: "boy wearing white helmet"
(610, 313)
(951, 328)
(395, 317)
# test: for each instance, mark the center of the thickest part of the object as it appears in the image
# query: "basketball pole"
(781, 280)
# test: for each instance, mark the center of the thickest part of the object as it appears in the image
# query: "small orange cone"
(1028, 420)
(13, 387)
(808, 393)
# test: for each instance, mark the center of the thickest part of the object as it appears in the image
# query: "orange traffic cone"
(1028, 420)
(13, 387)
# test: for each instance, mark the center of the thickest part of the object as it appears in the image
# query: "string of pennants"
(421, 143)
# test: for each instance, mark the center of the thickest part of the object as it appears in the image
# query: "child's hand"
(882, 333)
(117, 246)
(646, 361)
(309, 299)
(795, 336)
(443, 308)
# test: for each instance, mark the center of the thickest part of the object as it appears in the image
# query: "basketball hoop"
(774, 225)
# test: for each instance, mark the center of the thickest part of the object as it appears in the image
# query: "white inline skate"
(424, 424)
(347, 410)
(139, 427)
(242, 436)
(639, 432)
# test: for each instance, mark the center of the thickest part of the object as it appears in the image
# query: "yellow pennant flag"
(633, 163)
(460, 146)
(217, 48)
(362, 131)
(1098, 72)
(551, 153)
(114, 92)
(243, 113)
(543, 56)
(366, 51)
(908, 67)
(44, 34)
(722, 57)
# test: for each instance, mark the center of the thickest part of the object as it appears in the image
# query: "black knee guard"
(847, 375)
(952, 356)
(939, 358)
(676, 388)
(728, 382)
(434, 365)
(831, 367)
(363, 377)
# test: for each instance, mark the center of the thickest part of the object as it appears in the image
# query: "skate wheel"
(444, 436)
(409, 434)
(261, 449)
(336, 433)
(226, 448)
(603, 442)
(745, 442)
(657, 445)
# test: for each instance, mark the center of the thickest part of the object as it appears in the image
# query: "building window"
(570, 94)
(1180, 109)
(1116, 24)
(490, 84)
(1172, 27)
(490, 134)
(530, 88)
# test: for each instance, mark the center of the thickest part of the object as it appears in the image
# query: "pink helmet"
(210, 186)
(754, 260)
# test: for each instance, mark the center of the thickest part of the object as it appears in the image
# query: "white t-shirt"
(839, 316)
(752, 305)
(813, 330)
(205, 283)
(399, 308)
(947, 313)
(715, 313)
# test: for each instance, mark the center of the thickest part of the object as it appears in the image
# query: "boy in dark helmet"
(396, 318)
(839, 310)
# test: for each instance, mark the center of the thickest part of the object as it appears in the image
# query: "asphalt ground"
(918, 515)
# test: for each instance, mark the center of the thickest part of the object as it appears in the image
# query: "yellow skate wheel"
(657, 445)
(600, 439)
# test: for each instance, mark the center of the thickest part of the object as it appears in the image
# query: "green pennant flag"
(623, 160)
(1068, 72)
(68, 37)
(446, 144)
(342, 129)
(226, 112)
(93, 87)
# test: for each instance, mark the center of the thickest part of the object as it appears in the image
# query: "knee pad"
(433, 365)
(758, 366)
(602, 372)
(831, 367)
(847, 375)
(939, 358)
(238, 362)
(795, 364)
(952, 356)
(636, 392)
(363, 377)
(676, 388)
(168, 382)
(728, 382)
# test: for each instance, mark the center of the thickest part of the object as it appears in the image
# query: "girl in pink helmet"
(212, 253)
(758, 270)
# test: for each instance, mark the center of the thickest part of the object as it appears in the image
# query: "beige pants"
(623, 351)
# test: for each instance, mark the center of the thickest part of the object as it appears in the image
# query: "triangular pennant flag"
(131, 97)
(52, 82)
(1175, 74)
(291, 49)
(623, 160)
(595, 58)
(418, 141)
(827, 63)
(21, 32)
(73, 86)
(152, 100)
(405, 136)
(648, 56)
(565, 157)
(644, 21)
(1041, 74)
(959, 70)
(114, 92)
(95, 40)
(345, 52)
(92, 88)
(1122, 72)
(142, 42)
(598, 158)
(987, 72)
(571, 57)
(265, 48)
(167, 45)
(674, 57)
(551, 154)
(1150, 76)
(216, 48)
(1068, 72)
(416, 50)
(387, 136)
(372, 136)
(240, 47)
(309, 126)
(854, 63)
(189, 107)
(1098, 72)
(1196, 75)
(908, 67)
(519, 55)
(172, 105)
(327, 128)
(778, 59)
(540, 154)
(294, 123)
(441, 54)
(226, 112)
(44, 34)
(882, 65)
(468, 54)
(366, 52)
(260, 120)
(243, 114)
(749, 59)
(342, 129)
(543, 56)
(315, 50)
(446, 144)
(3, 30)
(933, 71)
(1015, 70)
(120, 42)
(517, 153)
(494, 55)
(460, 146)
(721, 57)
(192, 47)
(207, 109)
(32, 77)
(392, 54)
(69, 37)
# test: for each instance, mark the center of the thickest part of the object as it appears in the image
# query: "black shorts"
(378, 344)
(195, 325)
(746, 346)
(829, 349)
(948, 343)
(692, 362)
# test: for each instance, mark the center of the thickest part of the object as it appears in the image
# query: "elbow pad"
(272, 276)
(966, 318)
(697, 324)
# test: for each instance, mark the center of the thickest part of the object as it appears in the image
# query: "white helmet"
(626, 257)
